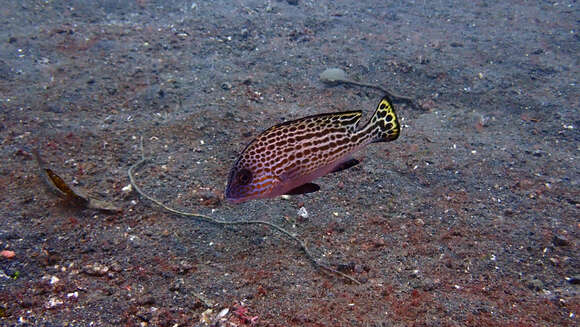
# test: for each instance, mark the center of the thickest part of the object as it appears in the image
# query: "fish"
(286, 158)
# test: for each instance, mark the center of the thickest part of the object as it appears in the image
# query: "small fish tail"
(384, 125)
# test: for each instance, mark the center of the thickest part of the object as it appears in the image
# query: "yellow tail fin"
(384, 123)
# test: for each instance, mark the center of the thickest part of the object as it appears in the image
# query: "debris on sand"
(71, 196)
(336, 76)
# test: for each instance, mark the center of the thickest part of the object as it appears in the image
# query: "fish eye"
(244, 176)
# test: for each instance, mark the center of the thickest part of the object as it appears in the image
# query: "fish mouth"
(234, 200)
(231, 198)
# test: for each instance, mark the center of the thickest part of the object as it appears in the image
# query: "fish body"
(285, 158)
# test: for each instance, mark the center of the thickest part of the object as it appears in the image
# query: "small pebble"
(574, 280)
(146, 299)
(535, 285)
(53, 302)
(145, 315)
(345, 267)
(54, 280)
(7, 254)
(560, 240)
(95, 269)
(428, 284)
(184, 267)
(177, 285)
(358, 268)
(206, 316)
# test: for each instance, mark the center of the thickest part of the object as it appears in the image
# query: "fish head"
(247, 182)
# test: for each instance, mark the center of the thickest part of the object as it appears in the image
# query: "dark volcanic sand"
(470, 218)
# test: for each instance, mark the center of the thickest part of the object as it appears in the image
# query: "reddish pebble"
(7, 254)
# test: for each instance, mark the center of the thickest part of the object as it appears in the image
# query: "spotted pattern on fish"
(294, 153)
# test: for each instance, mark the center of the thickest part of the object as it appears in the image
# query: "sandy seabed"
(470, 218)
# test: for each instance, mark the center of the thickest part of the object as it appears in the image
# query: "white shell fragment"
(127, 189)
(302, 212)
(222, 314)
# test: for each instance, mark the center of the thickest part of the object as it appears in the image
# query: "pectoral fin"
(303, 189)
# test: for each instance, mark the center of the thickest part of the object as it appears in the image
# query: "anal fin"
(345, 165)
(303, 189)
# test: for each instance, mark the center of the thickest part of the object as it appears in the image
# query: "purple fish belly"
(291, 181)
